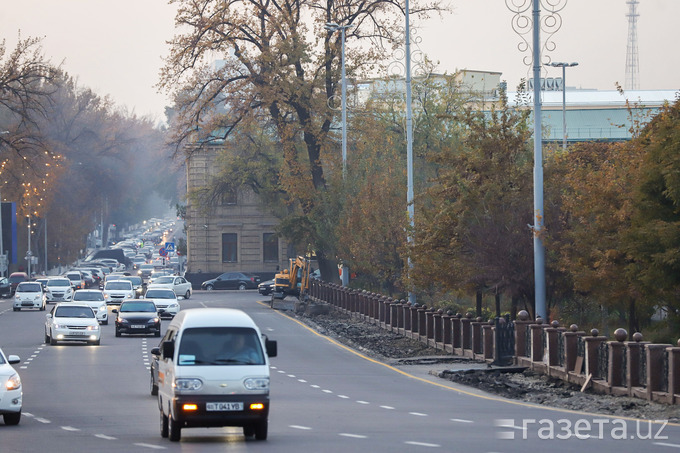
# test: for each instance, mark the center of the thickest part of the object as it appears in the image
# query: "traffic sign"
(170, 247)
(162, 252)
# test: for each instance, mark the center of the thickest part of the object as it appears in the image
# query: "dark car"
(137, 316)
(266, 288)
(232, 280)
(5, 288)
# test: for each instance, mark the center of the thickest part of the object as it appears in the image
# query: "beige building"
(237, 235)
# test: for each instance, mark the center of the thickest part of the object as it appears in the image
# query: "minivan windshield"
(201, 346)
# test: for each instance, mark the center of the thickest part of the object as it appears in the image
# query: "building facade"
(236, 234)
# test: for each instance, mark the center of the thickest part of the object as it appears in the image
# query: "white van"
(212, 370)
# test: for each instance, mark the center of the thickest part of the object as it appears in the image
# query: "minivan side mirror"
(156, 351)
(168, 349)
(271, 346)
(13, 359)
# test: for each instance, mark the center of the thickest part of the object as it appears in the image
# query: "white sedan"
(95, 299)
(179, 285)
(29, 295)
(165, 300)
(69, 321)
(11, 393)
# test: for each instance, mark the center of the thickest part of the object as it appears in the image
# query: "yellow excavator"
(293, 281)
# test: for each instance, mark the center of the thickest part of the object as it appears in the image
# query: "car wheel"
(12, 419)
(174, 429)
(47, 338)
(105, 322)
(249, 430)
(53, 341)
(154, 387)
(42, 307)
(209, 287)
(187, 295)
(117, 332)
(241, 286)
(164, 425)
(261, 430)
(94, 343)
(157, 333)
(16, 309)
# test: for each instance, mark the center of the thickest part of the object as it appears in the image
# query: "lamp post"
(564, 67)
(333, 27)
(409, 138)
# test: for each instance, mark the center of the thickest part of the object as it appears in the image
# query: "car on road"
(11, 392)
(95, 299)
(59, 289)
(77, 280)
(17, 277)
(29, 295)
(5, 288)
(232, 280)
(178, 284)
(116, 291)
(69, 321)
(137, 316)
(265, 288)
(137, 283)
(165, 300)
(145, 271)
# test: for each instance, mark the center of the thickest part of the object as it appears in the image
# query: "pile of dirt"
(518, 384)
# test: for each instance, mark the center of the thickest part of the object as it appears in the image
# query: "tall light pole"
(539, 222)
(332, 27)
(564, 67)
(409, 140)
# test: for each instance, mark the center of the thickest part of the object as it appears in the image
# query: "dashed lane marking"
(363, 402)
(354, 436)
(105, 437)
(460, 420)
(155, 447)
(305, 428)
(387, 407)
(418, 414)
(42, 420)
(69, 428)
(664, 444)
(422, 444)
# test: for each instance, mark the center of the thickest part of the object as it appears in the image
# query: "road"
(325, 397)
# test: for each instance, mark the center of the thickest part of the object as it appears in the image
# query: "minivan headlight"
(256, 383)
(188, 384)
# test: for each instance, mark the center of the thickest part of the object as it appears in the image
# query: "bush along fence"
(634, 368)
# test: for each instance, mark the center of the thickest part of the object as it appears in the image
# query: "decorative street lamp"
(564, 66)
(333, 27)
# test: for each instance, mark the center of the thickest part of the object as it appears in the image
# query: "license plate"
(137, 326)
(223, 406)
(72, 333)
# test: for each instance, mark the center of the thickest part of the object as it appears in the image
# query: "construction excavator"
(293, 281)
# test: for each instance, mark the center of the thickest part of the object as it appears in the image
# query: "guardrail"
(634, 368)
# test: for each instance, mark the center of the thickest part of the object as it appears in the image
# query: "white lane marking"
(280, 371)
(42, 420)
(23, 367)
(299, 427)
(387, 407)
(155, 447)
(291, 375)
(105, 437)
(327, 391)
(314, 386)
(418, 414)
(664, 444)
(355, 436)
(344, 397)
(272, 367)
(460, 420)
(302, 380)
(69, 428)
(422, 444)
(363, 402)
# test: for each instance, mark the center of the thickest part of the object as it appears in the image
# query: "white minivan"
(211, 369)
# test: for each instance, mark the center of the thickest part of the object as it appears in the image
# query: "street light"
(564, 67)
(333, 27)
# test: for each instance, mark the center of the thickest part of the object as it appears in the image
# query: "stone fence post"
(674, 374)
(593, 353)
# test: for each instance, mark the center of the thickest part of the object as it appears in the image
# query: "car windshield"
(119, 285)
(73, 276)
(134, 280)
(74, 312)
(164, 280)
(79, 295)
(147, 307)
(220, 346)
(16, 278)
(29, 288)
(60, 282)
(160, 294)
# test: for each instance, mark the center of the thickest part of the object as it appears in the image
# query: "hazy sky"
(116, 47)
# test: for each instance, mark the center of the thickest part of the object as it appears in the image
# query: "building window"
(229, 197)
(229, 248)
(270, 248)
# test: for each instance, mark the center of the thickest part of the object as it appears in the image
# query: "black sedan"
(5, 288)
(266, 288)
(137, 316)
(232, 280)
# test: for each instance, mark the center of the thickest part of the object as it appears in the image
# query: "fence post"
(593, 353)
(655, 371)
(521, 324)
(406, 308)
(422, 323)
(571, 348)
(447, 339)
(488, 335)
(616, 358)
(537, 340)
(457, 334)
(674, 374)
(429, 327)
(466, 332)
(633, 364)
(477, 340)
(553, 353)
(438, 329)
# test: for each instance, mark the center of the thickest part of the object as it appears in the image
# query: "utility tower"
(632, 60)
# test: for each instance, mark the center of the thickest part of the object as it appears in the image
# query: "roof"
(213, 317)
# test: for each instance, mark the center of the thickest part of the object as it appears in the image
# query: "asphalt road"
(325, 398)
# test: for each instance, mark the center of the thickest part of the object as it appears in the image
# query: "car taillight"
(252, 279)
